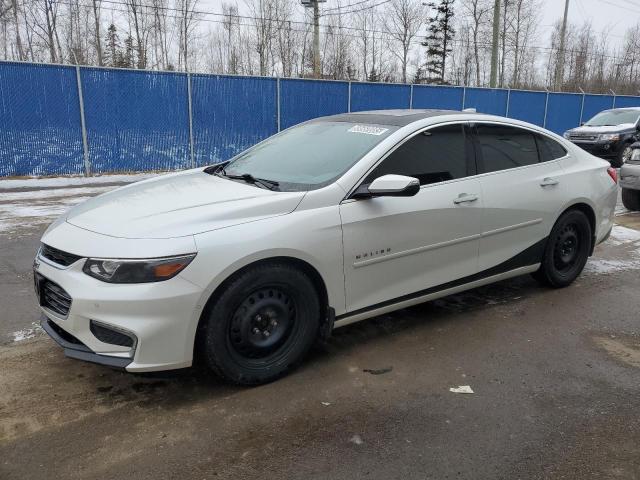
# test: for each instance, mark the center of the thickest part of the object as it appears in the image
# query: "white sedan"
(247, 263)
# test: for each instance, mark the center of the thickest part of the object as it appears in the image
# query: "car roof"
(398, 118)
(636, 109)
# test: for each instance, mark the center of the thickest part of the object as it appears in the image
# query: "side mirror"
(389, 186)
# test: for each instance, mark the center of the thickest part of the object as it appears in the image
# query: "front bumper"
(606, 150)
(630, 176)
(158, 315)
(74, 348)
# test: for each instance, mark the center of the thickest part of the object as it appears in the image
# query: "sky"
(613, 16)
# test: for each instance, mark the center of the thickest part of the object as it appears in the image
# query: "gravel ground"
(555, 376)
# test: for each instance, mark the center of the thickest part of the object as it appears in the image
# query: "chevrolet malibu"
(245, 264)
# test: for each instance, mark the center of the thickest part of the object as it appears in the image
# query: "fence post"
(464, 96)
(411, 98)
(506, 114)
(582, 105)
(83, 126)
(546, 107)
(189, 100)
(349, 99)
(278, 102)
(614, 98)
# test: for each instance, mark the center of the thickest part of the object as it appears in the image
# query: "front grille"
(111, 336)
(52, 296)
(58, 256)
(582, 137)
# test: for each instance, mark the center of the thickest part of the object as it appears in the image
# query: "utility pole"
(315, 4)
(494, 44)
(559, 73)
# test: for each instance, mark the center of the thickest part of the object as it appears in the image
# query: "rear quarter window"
(549, 149)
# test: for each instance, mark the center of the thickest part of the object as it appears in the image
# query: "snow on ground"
(621, 235)
(26, 204)
(60, 182)
(27, 333)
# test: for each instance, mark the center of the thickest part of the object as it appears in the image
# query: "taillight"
(613, 173)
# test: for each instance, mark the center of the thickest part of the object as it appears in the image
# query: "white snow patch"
(603, 266)
(620, 235)
(27, 333)
(67, 181)
(53, 193)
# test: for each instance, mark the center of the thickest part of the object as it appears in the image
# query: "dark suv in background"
(609, 134)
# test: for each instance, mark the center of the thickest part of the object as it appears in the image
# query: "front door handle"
(465, 198)
(549, 182)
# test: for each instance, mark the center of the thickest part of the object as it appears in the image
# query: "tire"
(261, 325)
(567, 250)
(622, 156)
(631, 199)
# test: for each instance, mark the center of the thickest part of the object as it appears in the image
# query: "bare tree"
(402, 20)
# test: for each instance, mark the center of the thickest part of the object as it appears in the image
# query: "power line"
(340, 7)
(327, 29)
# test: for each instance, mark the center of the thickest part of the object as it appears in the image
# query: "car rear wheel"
(631, 199)
(261, 325)
(567, 250)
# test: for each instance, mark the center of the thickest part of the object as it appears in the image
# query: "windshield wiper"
(247, 177)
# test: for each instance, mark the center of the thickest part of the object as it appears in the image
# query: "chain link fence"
(65, 120)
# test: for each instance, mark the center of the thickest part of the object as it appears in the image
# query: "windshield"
(310, 155)
(610, 118)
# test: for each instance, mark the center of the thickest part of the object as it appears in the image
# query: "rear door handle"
(549, 182)
(465, 198)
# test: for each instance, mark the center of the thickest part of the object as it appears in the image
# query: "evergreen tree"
(112, 53)
(439, 40)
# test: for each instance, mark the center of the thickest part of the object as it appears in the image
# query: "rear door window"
(503, 147)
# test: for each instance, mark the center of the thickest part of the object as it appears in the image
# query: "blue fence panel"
(136, 120)
(627, 101)
(527, 106)
(301, 100)
(230, 114)
(594, 104)
(487, 100)
(563, 112)
(428, 96)
(379, 96)
(40, 130)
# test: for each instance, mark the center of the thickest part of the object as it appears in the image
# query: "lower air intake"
(110, 335)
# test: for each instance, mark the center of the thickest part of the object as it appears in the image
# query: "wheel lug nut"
(274, 323)
(266, 333)
(256, 330)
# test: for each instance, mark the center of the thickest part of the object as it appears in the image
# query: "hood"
(178, 205)
(607, 129)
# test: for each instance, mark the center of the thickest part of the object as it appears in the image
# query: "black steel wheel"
(567, 250)
(261, 325)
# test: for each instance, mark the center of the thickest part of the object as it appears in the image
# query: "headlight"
(609, 137)
(635, 155)
(136, 271)
(566, 135)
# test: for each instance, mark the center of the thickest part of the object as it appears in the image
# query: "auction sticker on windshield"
(367, 129)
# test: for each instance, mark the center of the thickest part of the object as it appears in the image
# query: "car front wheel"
(261, 325)
(567, 250)
(623, 156)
